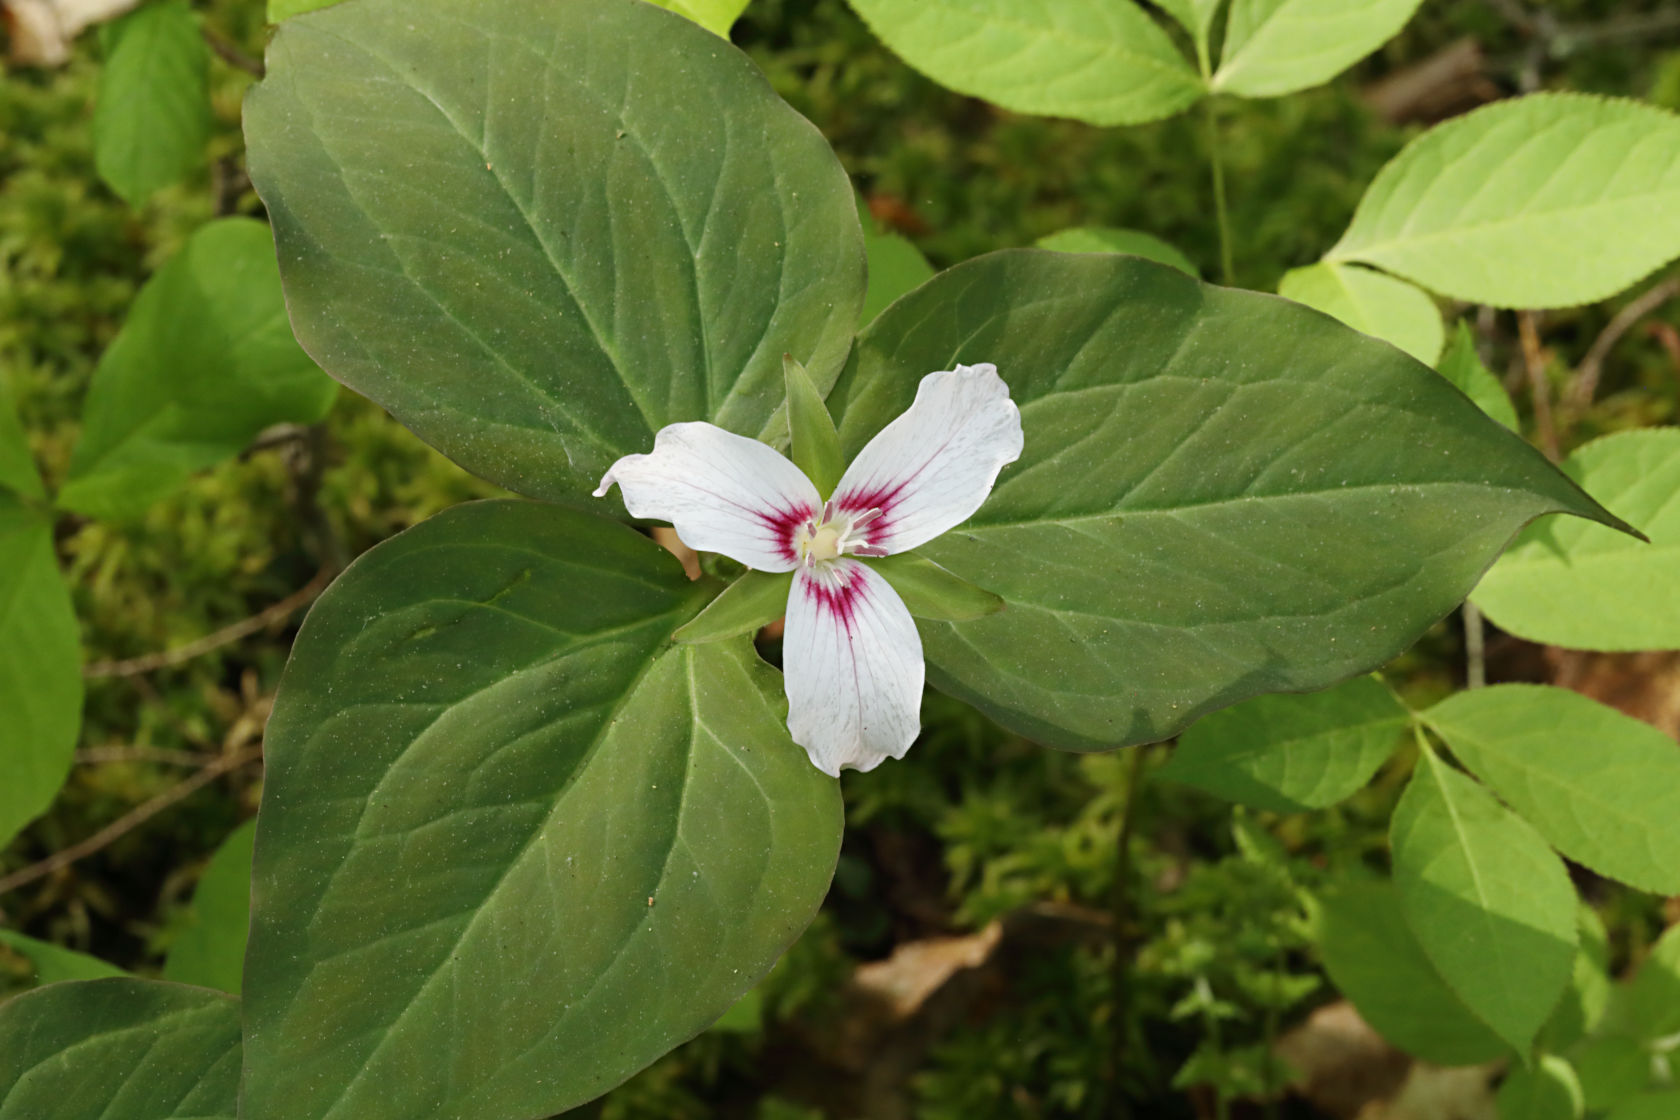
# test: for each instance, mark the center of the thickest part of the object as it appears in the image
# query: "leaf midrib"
(558, 796)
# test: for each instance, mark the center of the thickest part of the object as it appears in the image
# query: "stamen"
(827, 513)
(864, 518)
(869, 550)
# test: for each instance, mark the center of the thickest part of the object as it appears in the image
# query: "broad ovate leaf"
(1371, 303)
(1375, 961)
(205, 361)
(40, 668)
(716, 16)
(152, 117)
(1101, 61)
(1274, 47)
(1601, 787)
(1292, 753)
(54, 962)
(1486, 207)
(515, 844)
(119, 1049)
(537, 264)
(1581, 587)
(1102, 239)
(1222, 494)
(1489, 902)
(209, 948)
(1463, 367)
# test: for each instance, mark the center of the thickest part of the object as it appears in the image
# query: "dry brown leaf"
(917, 969)
(1343, 1065)
(673, 544)
(41, 30)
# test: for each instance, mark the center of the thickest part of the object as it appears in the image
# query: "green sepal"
(816, 445)
(932, 592)
(750, 603)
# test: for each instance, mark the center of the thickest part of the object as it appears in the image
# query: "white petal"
(852, 663)
(932, 467)
(720, 491)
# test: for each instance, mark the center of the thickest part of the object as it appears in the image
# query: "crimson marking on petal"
(782, 524)
(840, 597)
(876, 502)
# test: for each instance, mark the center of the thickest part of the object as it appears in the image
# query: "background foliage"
(1227, 945)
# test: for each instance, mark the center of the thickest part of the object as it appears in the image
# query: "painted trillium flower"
(851, 657)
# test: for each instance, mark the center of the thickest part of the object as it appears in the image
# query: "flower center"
(830, 535)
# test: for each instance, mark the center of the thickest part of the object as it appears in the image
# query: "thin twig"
(1592, 366)
(94, 756)
(129, 821)
(1539, 388)
(232, 55)
(1475, 647)
(273, 615)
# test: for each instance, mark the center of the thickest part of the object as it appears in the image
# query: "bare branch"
(275, 614)
(94, 756)
(1592, 366)
(130, 820)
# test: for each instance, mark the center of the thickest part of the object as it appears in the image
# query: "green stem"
(1216, 156)
(1120, 913)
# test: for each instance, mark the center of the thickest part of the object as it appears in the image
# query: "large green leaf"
(40, 669)
(1290, 753)
(514, 843)
(1489, 902)
(205, 361)
(209, 949)
(1375, 961)
(1583, 587)
(54, 962)
(1371, 303)
(1463, 367)
(1100, 239)
(119, 1049)
(1279, 46)
(1102, 61)
(1485, 207)
(152, 119)
(1602, 787)
(1222, 494)
(537, 265)
(716, 16)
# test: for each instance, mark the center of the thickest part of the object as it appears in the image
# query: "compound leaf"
(1483, 207)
